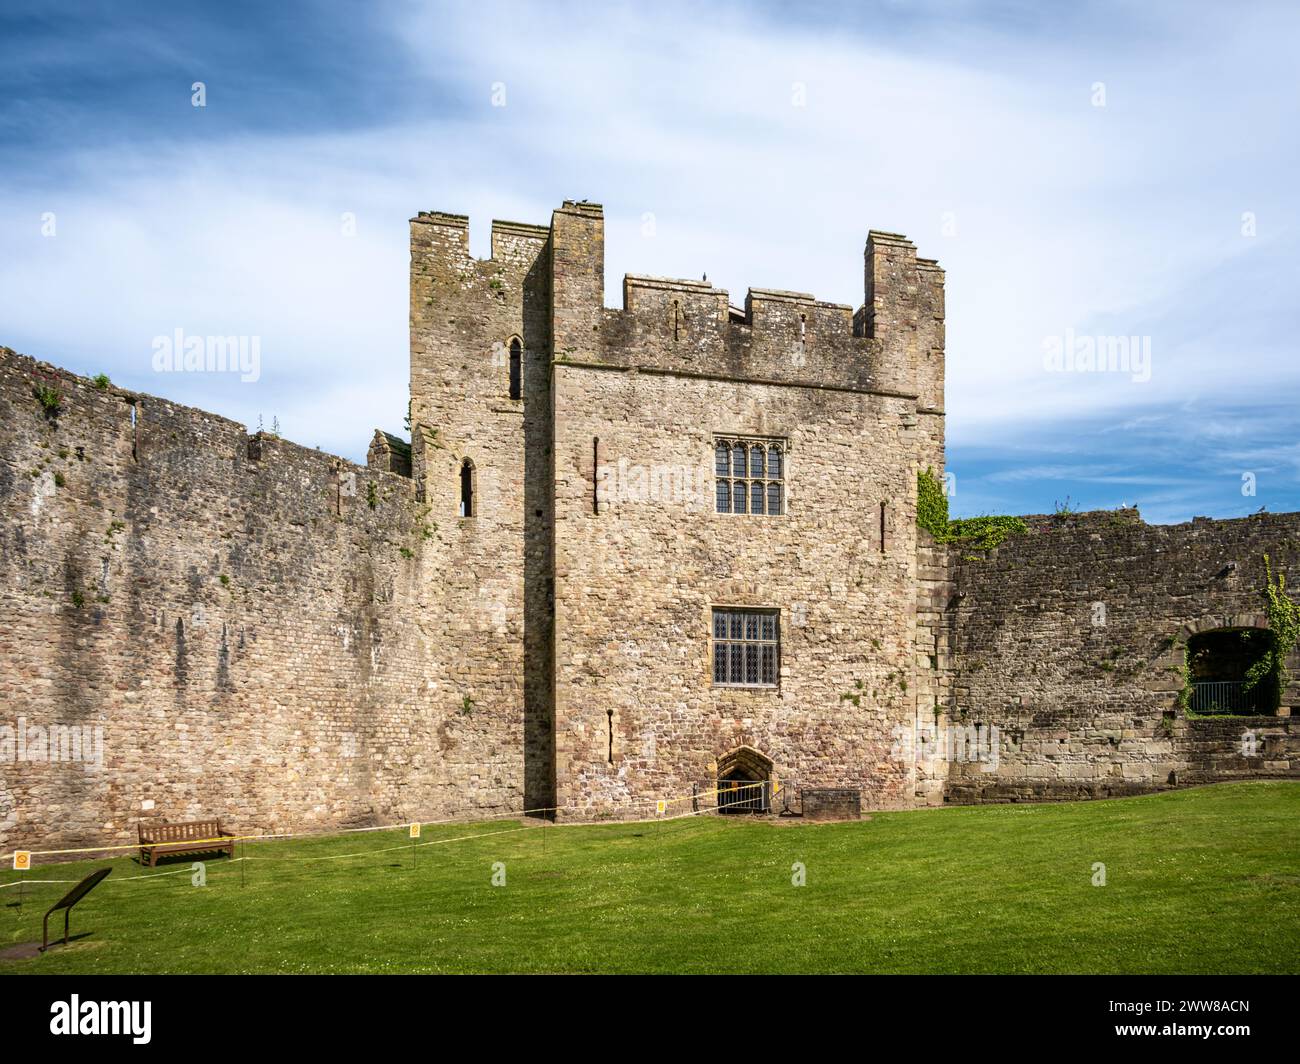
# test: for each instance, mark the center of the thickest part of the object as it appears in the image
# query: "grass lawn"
(1204, 880)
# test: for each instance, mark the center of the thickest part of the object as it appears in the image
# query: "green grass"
(1204, 880)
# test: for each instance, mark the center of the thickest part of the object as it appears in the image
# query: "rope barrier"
(730, 789)
(119, 879)
(281, 835)
(390, 849)
(187, 870)
(289, 835)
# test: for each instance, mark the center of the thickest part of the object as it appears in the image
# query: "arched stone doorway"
(1219, 664)
(744, 781)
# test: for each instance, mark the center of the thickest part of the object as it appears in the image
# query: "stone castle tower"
(573, 454)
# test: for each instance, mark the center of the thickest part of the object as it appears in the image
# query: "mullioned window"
(746, 647)
(750, 476)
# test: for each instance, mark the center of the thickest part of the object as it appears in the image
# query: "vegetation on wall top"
(980, 533)
(48, 390)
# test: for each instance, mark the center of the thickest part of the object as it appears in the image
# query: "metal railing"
(744, 796)
(1224, 696)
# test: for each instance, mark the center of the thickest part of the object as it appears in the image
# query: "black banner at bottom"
(809, 1014)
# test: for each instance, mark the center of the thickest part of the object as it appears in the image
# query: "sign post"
(22, 862)
(67, 902)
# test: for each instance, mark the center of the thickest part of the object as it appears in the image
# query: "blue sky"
(1086, 170)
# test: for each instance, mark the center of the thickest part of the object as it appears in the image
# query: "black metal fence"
(1225, 696)
(744, 796)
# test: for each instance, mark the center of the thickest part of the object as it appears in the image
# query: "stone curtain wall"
(232, 615)
(1070, 641)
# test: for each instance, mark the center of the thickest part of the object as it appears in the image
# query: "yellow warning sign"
(660, 806)
(415, 831)
(22, 860)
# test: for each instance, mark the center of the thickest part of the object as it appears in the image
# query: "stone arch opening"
(1223, 666)
(744, 781)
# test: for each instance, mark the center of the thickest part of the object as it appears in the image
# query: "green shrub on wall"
(931, 505)
(981, 533)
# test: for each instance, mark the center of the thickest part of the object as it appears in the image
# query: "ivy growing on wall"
(1270, 673)
(931, 505)
(1184, 671)
(980, 533)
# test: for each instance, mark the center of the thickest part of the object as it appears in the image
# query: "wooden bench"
(194, 836)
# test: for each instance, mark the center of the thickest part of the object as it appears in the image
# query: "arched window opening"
(467, 501)
(516, 368)
(1226, 668)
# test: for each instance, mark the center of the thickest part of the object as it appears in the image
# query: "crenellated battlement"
(444, 238)
(798, 314)
(649, 297)
(633, 282)
(892, 344)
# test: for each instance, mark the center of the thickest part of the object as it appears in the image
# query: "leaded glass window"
(750, 476)
(746, 648)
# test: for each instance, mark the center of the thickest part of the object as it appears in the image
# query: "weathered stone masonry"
(283, 639)
(237, 616)
(1071, 640)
